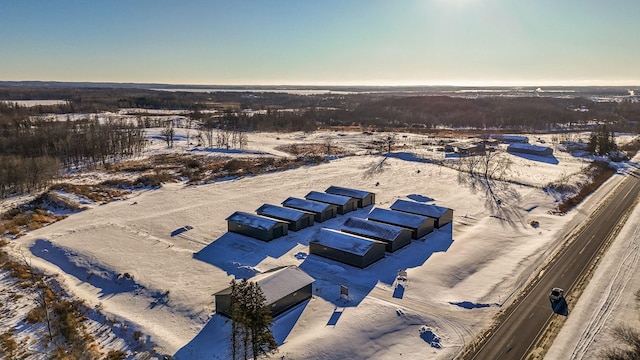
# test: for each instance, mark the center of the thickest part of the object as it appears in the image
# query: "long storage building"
(419, 225)
(364, 198)
(344, 204)
(255, 226)
(297, 219)
(394, 237)
(441, 215)
(322, 211)
(346, 248)
(283, 288)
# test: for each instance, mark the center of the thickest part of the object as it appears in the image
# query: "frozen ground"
(458, 276)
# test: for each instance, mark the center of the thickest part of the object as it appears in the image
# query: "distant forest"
(33, 150)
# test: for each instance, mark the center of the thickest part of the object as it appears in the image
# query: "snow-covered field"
(459, 276)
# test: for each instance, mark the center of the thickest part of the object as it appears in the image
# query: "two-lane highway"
(527, 318)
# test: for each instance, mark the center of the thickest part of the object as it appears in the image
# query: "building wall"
(426, 228)
(446, 218)
(223, 301)
(374, 254)
(260, 234)
(337, 255)
(291, 300)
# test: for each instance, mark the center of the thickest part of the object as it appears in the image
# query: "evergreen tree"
(251, 320)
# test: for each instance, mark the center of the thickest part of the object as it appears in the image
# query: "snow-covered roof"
(530, 147)
(414, 207)
(397, 217)
(335, 239)
(281, 212)
(372, 228)
(328, 198)
(278, 283)
(307, 205)
(354, 193)
(255, 221)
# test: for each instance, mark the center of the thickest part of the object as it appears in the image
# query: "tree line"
(33, 150)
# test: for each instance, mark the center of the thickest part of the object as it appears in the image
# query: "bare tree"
(167, 134)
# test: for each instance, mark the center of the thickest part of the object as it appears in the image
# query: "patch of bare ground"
(595, 175)
(56, 325)
(317, 149)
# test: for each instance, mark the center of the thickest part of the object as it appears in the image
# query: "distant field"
(30, 103)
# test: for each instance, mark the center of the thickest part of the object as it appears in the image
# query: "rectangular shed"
(364, 198)
(297, 219)
(346, 248)
(283, 288)
(255, 226)
(393, 236)
(345, 204)
(419, 225)
(441, 215)
(321, 211)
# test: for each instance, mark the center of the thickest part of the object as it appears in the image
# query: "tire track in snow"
(624, 273)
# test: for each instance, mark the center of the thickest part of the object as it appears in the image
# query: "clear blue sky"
(536, 42)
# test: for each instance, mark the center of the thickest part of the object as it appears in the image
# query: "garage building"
(283, 288)
(345, 204)
(321, 211)
(297, 219)
(365, 198)
(441, 215)
(419, 225)
(394, 237)
(255, 226)
(346, 248)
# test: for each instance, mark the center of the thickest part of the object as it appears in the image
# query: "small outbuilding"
(441, 215)
(365, 198)
(297, 219)
(530, 149)
(419, 225)
(348, 249)
(283, 288)
(511, 139)
(345, 204)
(321, 211)
(255, 226)
(394, 237)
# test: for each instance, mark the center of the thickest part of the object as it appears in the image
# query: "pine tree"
(251, 320)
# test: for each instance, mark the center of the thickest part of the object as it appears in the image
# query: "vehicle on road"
(556, 295)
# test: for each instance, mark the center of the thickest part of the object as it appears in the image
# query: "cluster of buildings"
(358, 242)
(516, 144)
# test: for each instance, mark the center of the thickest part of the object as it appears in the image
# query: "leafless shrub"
(629, 348)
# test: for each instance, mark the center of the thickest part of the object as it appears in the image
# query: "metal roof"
(308, 205)
(429, 210)
(354, 193)
(328, 198)
(255, 221)
(372, 228)
(281, 212)
(397, 217)
(335, 239)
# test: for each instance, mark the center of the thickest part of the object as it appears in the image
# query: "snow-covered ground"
(458, 276)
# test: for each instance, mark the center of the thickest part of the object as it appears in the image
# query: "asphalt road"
(526, 320)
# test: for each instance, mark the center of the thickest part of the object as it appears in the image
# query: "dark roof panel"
(307, 205)
(429, 210)
(353, 244)
(372, 228)
(255, 221)
(328, 198)
(281, 212)
(354, 193)
(396, 217)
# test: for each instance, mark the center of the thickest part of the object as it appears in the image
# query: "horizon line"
(570, 83)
